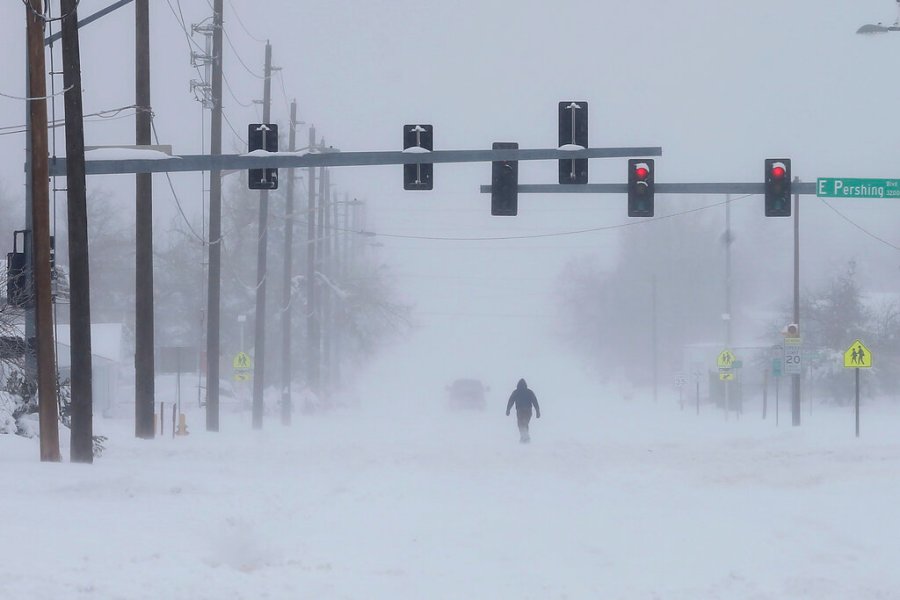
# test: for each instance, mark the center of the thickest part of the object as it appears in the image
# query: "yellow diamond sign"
(726, 359)
(858, 356)
(242, 362)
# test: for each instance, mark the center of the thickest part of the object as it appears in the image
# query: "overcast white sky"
(719, 85)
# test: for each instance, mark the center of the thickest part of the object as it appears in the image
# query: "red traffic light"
(642, 172)
(778, 171)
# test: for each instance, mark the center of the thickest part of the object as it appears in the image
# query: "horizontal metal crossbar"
(797, 187)
(226, 162)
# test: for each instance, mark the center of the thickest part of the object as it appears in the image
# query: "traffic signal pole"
(259, 359)
(795, 379)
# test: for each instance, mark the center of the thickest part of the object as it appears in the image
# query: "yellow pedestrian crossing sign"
(858, 356)
(242, 362)
(726, 359)
(726, 375)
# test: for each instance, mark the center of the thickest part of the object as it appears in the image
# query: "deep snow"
(393, 499)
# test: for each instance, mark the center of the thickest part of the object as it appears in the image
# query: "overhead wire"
(557, 233)
(284, 94)
(179, 17)
(29, 99)
(172, 188)
(114, 113)
(45, 16)
(241, 138)
(858, 226)
(241, 23)
(232, 94)
(238, 56)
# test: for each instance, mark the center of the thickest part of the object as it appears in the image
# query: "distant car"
(467, 394)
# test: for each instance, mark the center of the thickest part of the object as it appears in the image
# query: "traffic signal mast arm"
(227, 162)
(802, 188)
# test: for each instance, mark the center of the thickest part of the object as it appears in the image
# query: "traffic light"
(262, 136)
(418, 138)
(505, 183)
(573, 131)
(640, 187)
(17, 292)
(778, 187)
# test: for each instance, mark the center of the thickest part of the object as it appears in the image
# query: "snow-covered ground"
(402, 499)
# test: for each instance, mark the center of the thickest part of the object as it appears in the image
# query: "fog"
(593, 308)
(719, 87)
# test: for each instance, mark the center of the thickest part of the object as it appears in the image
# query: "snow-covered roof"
(106, 341)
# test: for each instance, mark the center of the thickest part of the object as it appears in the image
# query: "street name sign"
(844, 187)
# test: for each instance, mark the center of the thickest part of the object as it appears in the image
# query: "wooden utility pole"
(214, 281)
(327, 291)
(286, 403)
(321, 359)
(259, 359)
(82, 449)
(337, 277)
(143, 318)
(46, 359)
(312, 321)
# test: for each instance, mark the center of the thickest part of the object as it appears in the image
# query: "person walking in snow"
(524, 399)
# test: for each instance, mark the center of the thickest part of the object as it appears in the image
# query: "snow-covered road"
(611, 500)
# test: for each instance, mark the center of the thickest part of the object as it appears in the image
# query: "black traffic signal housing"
(262, 136)
(17, 292)
(505, 183)
(418, 138)
(778, 187)
(573, 131)
(640, 187)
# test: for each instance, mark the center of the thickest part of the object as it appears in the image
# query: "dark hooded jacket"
(524, 399)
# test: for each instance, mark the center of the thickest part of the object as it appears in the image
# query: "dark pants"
(523, 417)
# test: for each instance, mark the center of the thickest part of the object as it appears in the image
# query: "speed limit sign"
(792, 365)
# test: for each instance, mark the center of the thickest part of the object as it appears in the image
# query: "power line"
(241, 23)
(114, 113)
(858, 226)
(284, 94)
(59, 93)
(233, 130)
(554, 234)
(174, 193)
(238, 56)
(46, 18)
(231, 93)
